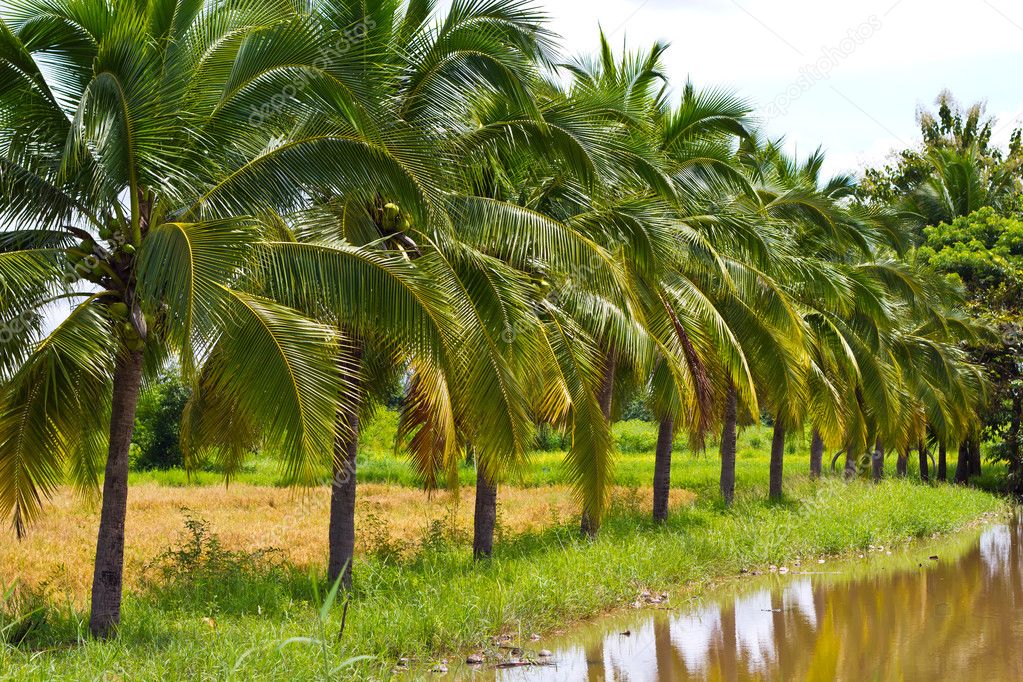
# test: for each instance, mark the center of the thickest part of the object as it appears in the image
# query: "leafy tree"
(955, 171)
(964, 191)
(157, 439)
(983, 253)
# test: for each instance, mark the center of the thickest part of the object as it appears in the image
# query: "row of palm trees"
(302, 202)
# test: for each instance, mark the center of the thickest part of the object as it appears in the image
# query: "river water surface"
(947, 611)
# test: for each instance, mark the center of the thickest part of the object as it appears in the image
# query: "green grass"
(635, 439)
(213, 614)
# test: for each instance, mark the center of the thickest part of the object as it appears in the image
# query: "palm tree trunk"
(975, 457)
(942, 462)
(341, 533)
(962, 473)
(485, 518)
(777, 460)
(850, 466)
(877, 462)
(588, 524)
(1012, 443)
(902, 464)
(816, 455)
(925, 474)
(728, 447)
(108, 575)
(662, 469)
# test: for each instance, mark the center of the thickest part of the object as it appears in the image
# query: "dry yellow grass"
(57, 555)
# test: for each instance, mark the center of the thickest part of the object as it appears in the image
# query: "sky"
(846, 76)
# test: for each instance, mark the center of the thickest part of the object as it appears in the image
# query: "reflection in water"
(958, 618)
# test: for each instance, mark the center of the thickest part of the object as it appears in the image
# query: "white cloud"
(724, 40)
(866, 105)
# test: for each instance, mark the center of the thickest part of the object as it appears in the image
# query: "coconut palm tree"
(404, 89)
(666, 238)
(136, 185)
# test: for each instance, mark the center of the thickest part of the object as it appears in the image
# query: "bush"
(635, 437)
(21, 614)
(638, 408)
(377, 434)
(200, 574)
(550, 439)
(157, 441)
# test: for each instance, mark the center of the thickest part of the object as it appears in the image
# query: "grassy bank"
(220, 607)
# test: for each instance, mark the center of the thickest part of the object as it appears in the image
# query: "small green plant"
(19, 618)
(201, 574)
(321, 639)
(373, 528)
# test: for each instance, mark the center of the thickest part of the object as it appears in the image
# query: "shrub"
(551, 439)
(638, 409)
(635, 437)
(157, 440)
(200, 574)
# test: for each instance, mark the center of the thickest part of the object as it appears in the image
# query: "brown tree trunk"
(588, 525)
(877, 462)
(108, 574)
(816, 455)
(902, 464)
(485, 518)
(975, 458)
(850, 466)
(1012, 437)
(963, 463)
(341, 533)
(942, 462)
(662, 469)
(728, 447)
(777, 460)
(925, 474)
(1012, 444)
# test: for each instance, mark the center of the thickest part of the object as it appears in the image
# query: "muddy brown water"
(951, 610)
